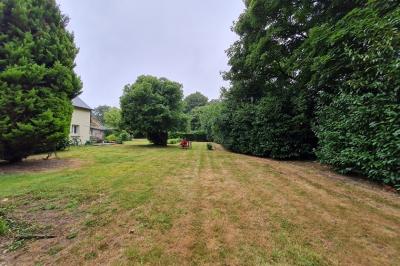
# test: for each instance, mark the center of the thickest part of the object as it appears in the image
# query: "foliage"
(173, 141)
(152, 106)
(111, 138)
(248, 131)
(316, 76)
(119, 140)
(37, 80)
(99, 112)
(208, 116)
(75, 141)
(63, 144)
(194, 100)
(265, 111)
(112, 118)
(355, 68)
(125, 136)
(3, 227)
(191, 136)
(210, 146)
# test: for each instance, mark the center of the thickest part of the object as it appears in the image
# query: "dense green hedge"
(316, 80)
(361, 134)
(264, 129)
(358, 119)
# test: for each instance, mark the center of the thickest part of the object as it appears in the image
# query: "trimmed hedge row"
(200, 136)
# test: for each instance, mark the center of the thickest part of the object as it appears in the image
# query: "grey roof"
(77, 102)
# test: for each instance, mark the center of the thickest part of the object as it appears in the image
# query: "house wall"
(81, 117)
(97, 134)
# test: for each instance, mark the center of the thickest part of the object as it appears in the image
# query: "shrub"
(210, 147)
(111, 138)
(125, 136)
(119, 140)
(173, 141)
(63, 144)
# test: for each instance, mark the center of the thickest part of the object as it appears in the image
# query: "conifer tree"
(37, 78)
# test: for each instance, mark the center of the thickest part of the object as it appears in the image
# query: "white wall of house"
(80, 124)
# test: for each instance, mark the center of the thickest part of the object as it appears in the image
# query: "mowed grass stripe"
(139, 204)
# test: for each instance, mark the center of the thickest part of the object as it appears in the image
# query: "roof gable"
(77, 102)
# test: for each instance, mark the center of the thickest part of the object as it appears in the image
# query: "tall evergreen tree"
(37, 80)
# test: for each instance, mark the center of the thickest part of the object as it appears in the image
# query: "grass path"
(136, 204)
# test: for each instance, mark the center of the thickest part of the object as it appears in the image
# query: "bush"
(173, 141)
(119, 140)
(64, 144)
(111, 138)
(210, 146)
(125, 136)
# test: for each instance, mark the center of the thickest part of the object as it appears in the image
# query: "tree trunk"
(158, 138)
(14, 160)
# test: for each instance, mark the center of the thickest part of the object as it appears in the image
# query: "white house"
(84, 126)
(80, 122)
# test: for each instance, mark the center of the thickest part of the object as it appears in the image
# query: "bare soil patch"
(37, 164)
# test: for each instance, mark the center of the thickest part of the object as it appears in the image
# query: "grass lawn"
(138, 204)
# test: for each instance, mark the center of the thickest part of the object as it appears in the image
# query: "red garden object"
(185, 144)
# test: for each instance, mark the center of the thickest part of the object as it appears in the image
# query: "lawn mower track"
(231, 209)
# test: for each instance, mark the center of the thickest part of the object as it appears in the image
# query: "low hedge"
(192, 136)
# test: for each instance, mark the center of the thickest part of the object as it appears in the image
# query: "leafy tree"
(152, 106)
(195, 100)
(112, 118)
(206, 119)
(99, 112)
(37, 80)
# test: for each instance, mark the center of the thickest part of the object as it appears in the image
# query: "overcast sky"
(182, 40)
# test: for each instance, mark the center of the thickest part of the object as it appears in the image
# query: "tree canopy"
(99, 112)
(112, 118)
(152, 106)
(37, 78)
(194, 100)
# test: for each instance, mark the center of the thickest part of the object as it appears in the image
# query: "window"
(75, 129)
